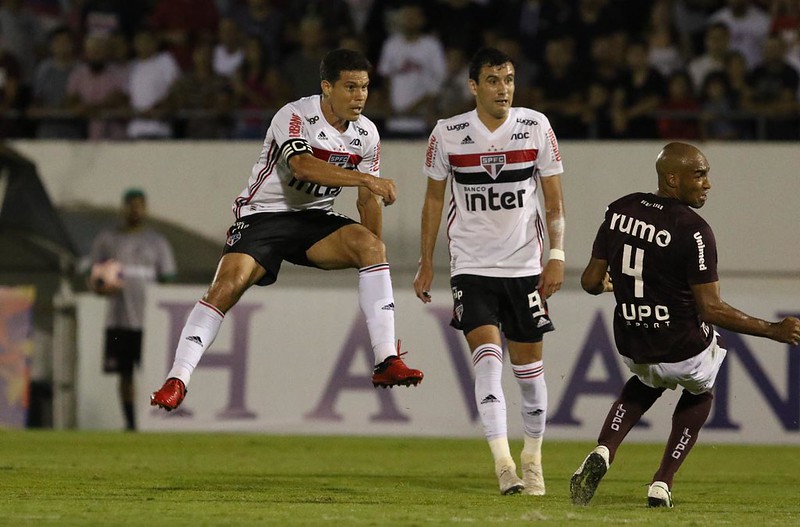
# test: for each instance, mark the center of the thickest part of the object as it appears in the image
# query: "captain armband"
(293, 147)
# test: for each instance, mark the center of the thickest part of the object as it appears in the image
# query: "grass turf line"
(109, 478)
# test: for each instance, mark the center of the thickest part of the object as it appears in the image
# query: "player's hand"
(422, 283)
(385, 188)
(787, 331)
(608, 284)
(551, 278)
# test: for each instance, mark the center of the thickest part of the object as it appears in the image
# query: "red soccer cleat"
(170, 396)
(394, 372)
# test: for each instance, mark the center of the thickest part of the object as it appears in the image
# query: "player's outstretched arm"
(431, 218)
(308, 168)
(716, 311)
(370, 211)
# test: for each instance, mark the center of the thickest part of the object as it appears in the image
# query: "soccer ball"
(107, 276)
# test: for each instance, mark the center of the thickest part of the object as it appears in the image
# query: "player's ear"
(473, 86)
(326, 88)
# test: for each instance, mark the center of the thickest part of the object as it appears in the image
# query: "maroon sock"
(636, 398)
(690, 414)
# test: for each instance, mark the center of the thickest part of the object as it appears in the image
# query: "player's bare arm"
(716, 311)
(370, 211)
(595, 279)
(308, 168)
(431, 218)
(553, 274)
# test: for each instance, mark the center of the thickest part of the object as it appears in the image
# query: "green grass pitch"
(116, 479)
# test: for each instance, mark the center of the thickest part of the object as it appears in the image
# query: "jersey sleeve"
(371, 162)
(289, 132)
(436, 164)
(700, 255)
(549, 158)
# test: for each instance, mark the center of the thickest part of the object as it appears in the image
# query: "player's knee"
(225, 291)
(370, 249)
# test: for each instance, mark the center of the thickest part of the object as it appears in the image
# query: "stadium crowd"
(217, 69)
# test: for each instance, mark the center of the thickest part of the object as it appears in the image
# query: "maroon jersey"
(656, 249)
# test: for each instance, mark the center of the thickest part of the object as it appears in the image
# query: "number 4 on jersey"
(632, 265)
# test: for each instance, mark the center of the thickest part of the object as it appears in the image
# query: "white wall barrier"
(297, 360)
(193, 183)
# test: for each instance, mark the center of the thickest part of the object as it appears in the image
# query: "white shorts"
(696, 375)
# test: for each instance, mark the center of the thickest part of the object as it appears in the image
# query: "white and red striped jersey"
(494, 226)
(300, 127)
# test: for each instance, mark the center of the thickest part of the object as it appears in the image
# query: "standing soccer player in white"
(313, 147)
(496, 159)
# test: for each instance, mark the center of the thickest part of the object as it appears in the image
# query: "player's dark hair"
(486, 57)
(339, 60)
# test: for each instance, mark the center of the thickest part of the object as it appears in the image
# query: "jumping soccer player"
(313, 147)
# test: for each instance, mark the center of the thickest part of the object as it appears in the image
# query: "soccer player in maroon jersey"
(314, 146)
(659, 257)
(497, 160)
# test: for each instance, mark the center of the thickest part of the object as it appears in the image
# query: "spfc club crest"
(233, 238)
(340, 160)
(493, 165)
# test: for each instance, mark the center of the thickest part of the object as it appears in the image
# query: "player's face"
(348, 95)
(494, 91)
(693, 184)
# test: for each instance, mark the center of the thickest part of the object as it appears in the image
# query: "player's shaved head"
(677, 165)
(674, 158)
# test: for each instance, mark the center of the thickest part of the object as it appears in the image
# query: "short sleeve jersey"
(494, 224)
(300, 128)
(146, 256)
(657, 248)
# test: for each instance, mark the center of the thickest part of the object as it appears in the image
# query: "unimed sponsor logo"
(430, 154)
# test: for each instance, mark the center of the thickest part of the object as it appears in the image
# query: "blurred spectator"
(228, 53)
(455, 96)
(334, 16)
(559, 89)
(255, 91)
(108, 16)
(50, 97)
(202, 99)
(663, 49)
(23, 37)
(10, 77)
(464, 21)
(119, 52)
(717, 46)
(691, 19)
(182, 24)
(300, 69)
(718, 112)
(773, 92)
(680, 101)
(150, 79)
(264, 19)
(97, 90)
(413, 66)
(637, 97)
(749, 27)
(591, 20)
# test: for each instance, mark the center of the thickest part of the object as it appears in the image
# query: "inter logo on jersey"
(493, 164)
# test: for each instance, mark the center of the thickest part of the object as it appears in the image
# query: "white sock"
(533, 390)
(531, 450)
(376, 299)
(501, 452)
(198, 333)
(487, 361)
